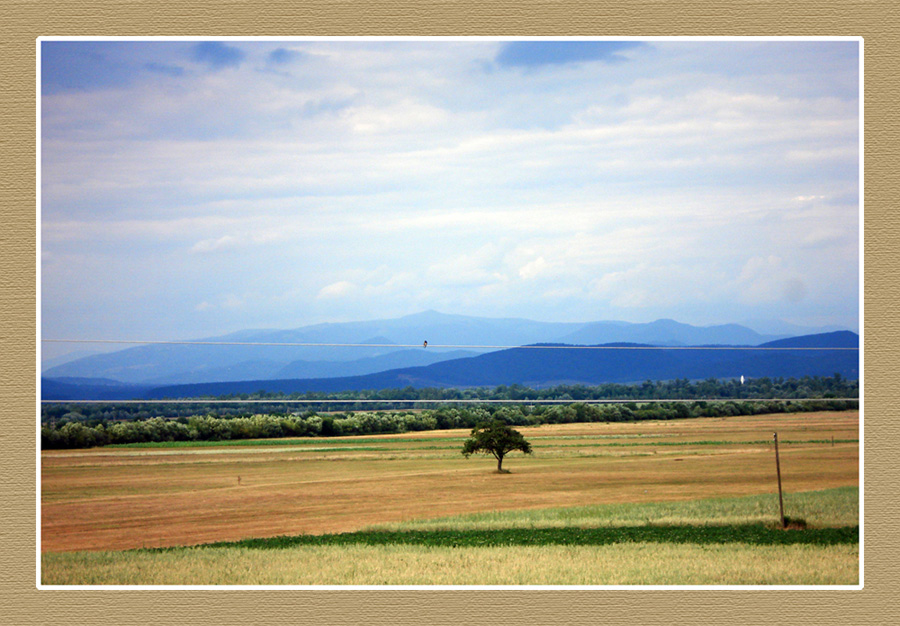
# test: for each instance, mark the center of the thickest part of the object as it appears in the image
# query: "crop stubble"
(113, 499)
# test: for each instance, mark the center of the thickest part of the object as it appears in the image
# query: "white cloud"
(89, 229)
(393, 286)
(823, 235)
(533, 269)
(401, 116)
(227, 302)
(214, 245)
(768, 280)
(232, 301)
(400, 175)
(340, 289)
(657, 286)
(817, 156)
(475, 269)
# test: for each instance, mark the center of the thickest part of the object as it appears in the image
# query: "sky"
(191, 188)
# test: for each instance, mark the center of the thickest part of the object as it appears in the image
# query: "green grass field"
(820, 509)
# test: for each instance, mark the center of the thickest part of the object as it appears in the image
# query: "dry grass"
(623, 564)
(112, 499)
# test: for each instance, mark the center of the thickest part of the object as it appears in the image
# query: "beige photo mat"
(21, 602)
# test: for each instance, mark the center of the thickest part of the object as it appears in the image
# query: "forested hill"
(547, 366)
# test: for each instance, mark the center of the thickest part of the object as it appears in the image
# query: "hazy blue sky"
(192, 188)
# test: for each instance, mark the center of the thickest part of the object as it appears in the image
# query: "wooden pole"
(778, 470)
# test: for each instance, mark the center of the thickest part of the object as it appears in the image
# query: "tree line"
(682, 389)
(72, 432)
(791, 388)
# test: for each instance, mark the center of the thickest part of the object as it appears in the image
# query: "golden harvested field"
(619, 564)
(119, 498)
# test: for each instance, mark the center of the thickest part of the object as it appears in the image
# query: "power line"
(419, 345)
(444, 401)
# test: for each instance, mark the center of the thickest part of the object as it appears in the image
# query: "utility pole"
(778, 470)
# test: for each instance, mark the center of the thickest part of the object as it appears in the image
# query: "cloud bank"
(191, 188)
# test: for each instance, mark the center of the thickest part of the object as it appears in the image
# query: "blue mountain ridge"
(157, 365)
(547, 366)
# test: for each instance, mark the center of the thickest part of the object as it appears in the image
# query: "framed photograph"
(375, 321)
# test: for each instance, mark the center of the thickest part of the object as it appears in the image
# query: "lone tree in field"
(495, 438)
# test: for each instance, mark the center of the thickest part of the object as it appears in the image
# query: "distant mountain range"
(156, 365)
(536, 366)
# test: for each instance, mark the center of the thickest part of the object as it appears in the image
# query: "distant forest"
(87, 425)
(712, 389)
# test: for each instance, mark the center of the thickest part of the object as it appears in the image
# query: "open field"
(123, 498)
(581, 475)
(706, 542)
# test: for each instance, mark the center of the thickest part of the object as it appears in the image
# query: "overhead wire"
(433, 346)
(439, 401)
(456, 346)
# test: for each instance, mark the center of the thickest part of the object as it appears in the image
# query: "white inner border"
(861, 223)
